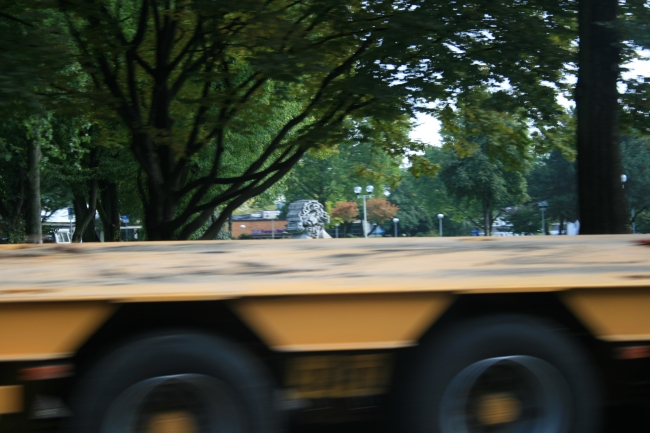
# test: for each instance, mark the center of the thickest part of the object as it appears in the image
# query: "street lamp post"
(369, 189)
(395, 221)
(623, 180)
(440, 217)
(542, 206)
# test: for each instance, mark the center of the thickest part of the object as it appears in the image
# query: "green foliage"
(634, 28)
(199, 107)
(643, 223)
(32, 48)
(483, 182)
(489, 152)
(486, 154)
(553, 179)
(329, 175)
(16, 132)
(416, 198)
(218, 117)
(635, 152)
(421, 199)
(438, 46)
(12, 233)
(525, 220)
(636, 105)
(501, 136)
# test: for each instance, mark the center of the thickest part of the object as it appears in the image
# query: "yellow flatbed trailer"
(435, 335)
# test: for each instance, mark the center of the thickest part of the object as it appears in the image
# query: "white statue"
(306, 219)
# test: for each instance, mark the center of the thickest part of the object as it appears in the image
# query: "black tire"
(198, 380)
(505, 374)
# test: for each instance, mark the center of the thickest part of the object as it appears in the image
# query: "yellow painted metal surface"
(619, 315)
(11, 399)
(317, 294)
(33, 331)
(342, 322)
(184, 271)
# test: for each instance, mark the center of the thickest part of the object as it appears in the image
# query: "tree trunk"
(559, 232)
(487, 221)
(34, 228)
(109, 211)
(601, 199)
(160, 207)
(85, 211)
(85, 214)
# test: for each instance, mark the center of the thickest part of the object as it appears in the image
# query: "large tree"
(553, 179)
(22, 138)
(489, 150)
(484, 182)
(222, 99)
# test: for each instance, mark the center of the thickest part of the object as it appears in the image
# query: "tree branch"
(214, 228)
(142, 26)
(190, 44)
(277, 165)
(16, 19)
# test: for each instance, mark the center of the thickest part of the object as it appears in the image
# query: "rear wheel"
(505, 374)
(175, 383)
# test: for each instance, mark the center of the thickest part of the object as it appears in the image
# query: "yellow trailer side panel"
(33, 331)
(291, 291)
(619, 315)
(342, 322)
(11, 399)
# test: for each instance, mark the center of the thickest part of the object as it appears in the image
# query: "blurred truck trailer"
(520, 334)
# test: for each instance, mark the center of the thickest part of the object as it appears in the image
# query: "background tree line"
(490, 165)
(179, 113)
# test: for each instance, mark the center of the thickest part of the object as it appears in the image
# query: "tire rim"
(186, 403)
(512, 394)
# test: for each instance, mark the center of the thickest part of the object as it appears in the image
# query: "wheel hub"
(172, 422)
(186, 403)
(513, 394)
(498, 408)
